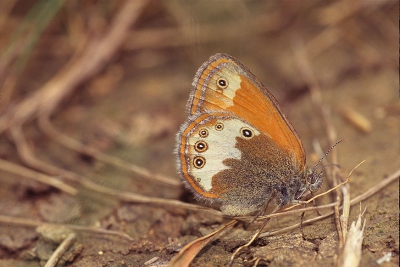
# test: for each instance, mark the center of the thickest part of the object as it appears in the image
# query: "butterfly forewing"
(244, 96)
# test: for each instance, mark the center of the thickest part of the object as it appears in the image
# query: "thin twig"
(62, 248)
(373, 190)
(37, 176)
(296, 226)
(4, 219)
(254, 237)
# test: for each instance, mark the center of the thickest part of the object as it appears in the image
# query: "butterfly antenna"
(326, 154)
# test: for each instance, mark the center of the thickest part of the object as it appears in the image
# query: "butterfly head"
(311, 181)
(314, 180)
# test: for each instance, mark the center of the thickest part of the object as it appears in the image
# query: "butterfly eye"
(199, 162)
(203, 133)
(200, 146)
(219, 126)
(246, 133)
(222, 83)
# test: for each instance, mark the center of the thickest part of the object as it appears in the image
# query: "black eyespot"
(222, 83)
(200, 146)
(199, 162)
(203, 132)
(246, 133)
(219, 126)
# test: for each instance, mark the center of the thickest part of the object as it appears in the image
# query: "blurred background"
(115, 76)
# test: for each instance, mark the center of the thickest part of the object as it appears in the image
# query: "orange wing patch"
(251, 104)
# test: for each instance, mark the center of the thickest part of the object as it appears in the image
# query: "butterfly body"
(236, 146)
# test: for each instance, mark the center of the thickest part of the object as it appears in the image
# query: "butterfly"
(236, 147)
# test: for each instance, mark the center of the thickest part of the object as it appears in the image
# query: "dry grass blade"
(351, 255)
(190, 251)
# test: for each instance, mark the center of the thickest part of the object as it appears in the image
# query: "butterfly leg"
(315, 205)
(302, 215)
(301, 224)
(262, 210)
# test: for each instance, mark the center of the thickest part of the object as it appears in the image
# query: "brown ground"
(131, 106)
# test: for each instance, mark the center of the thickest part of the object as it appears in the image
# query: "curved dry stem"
(37, 176)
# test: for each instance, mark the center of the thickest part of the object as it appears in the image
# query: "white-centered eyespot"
(199, 162)
(203, 132)
(219, 126)
(246, 133)
(200, 146)
(222, 83)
